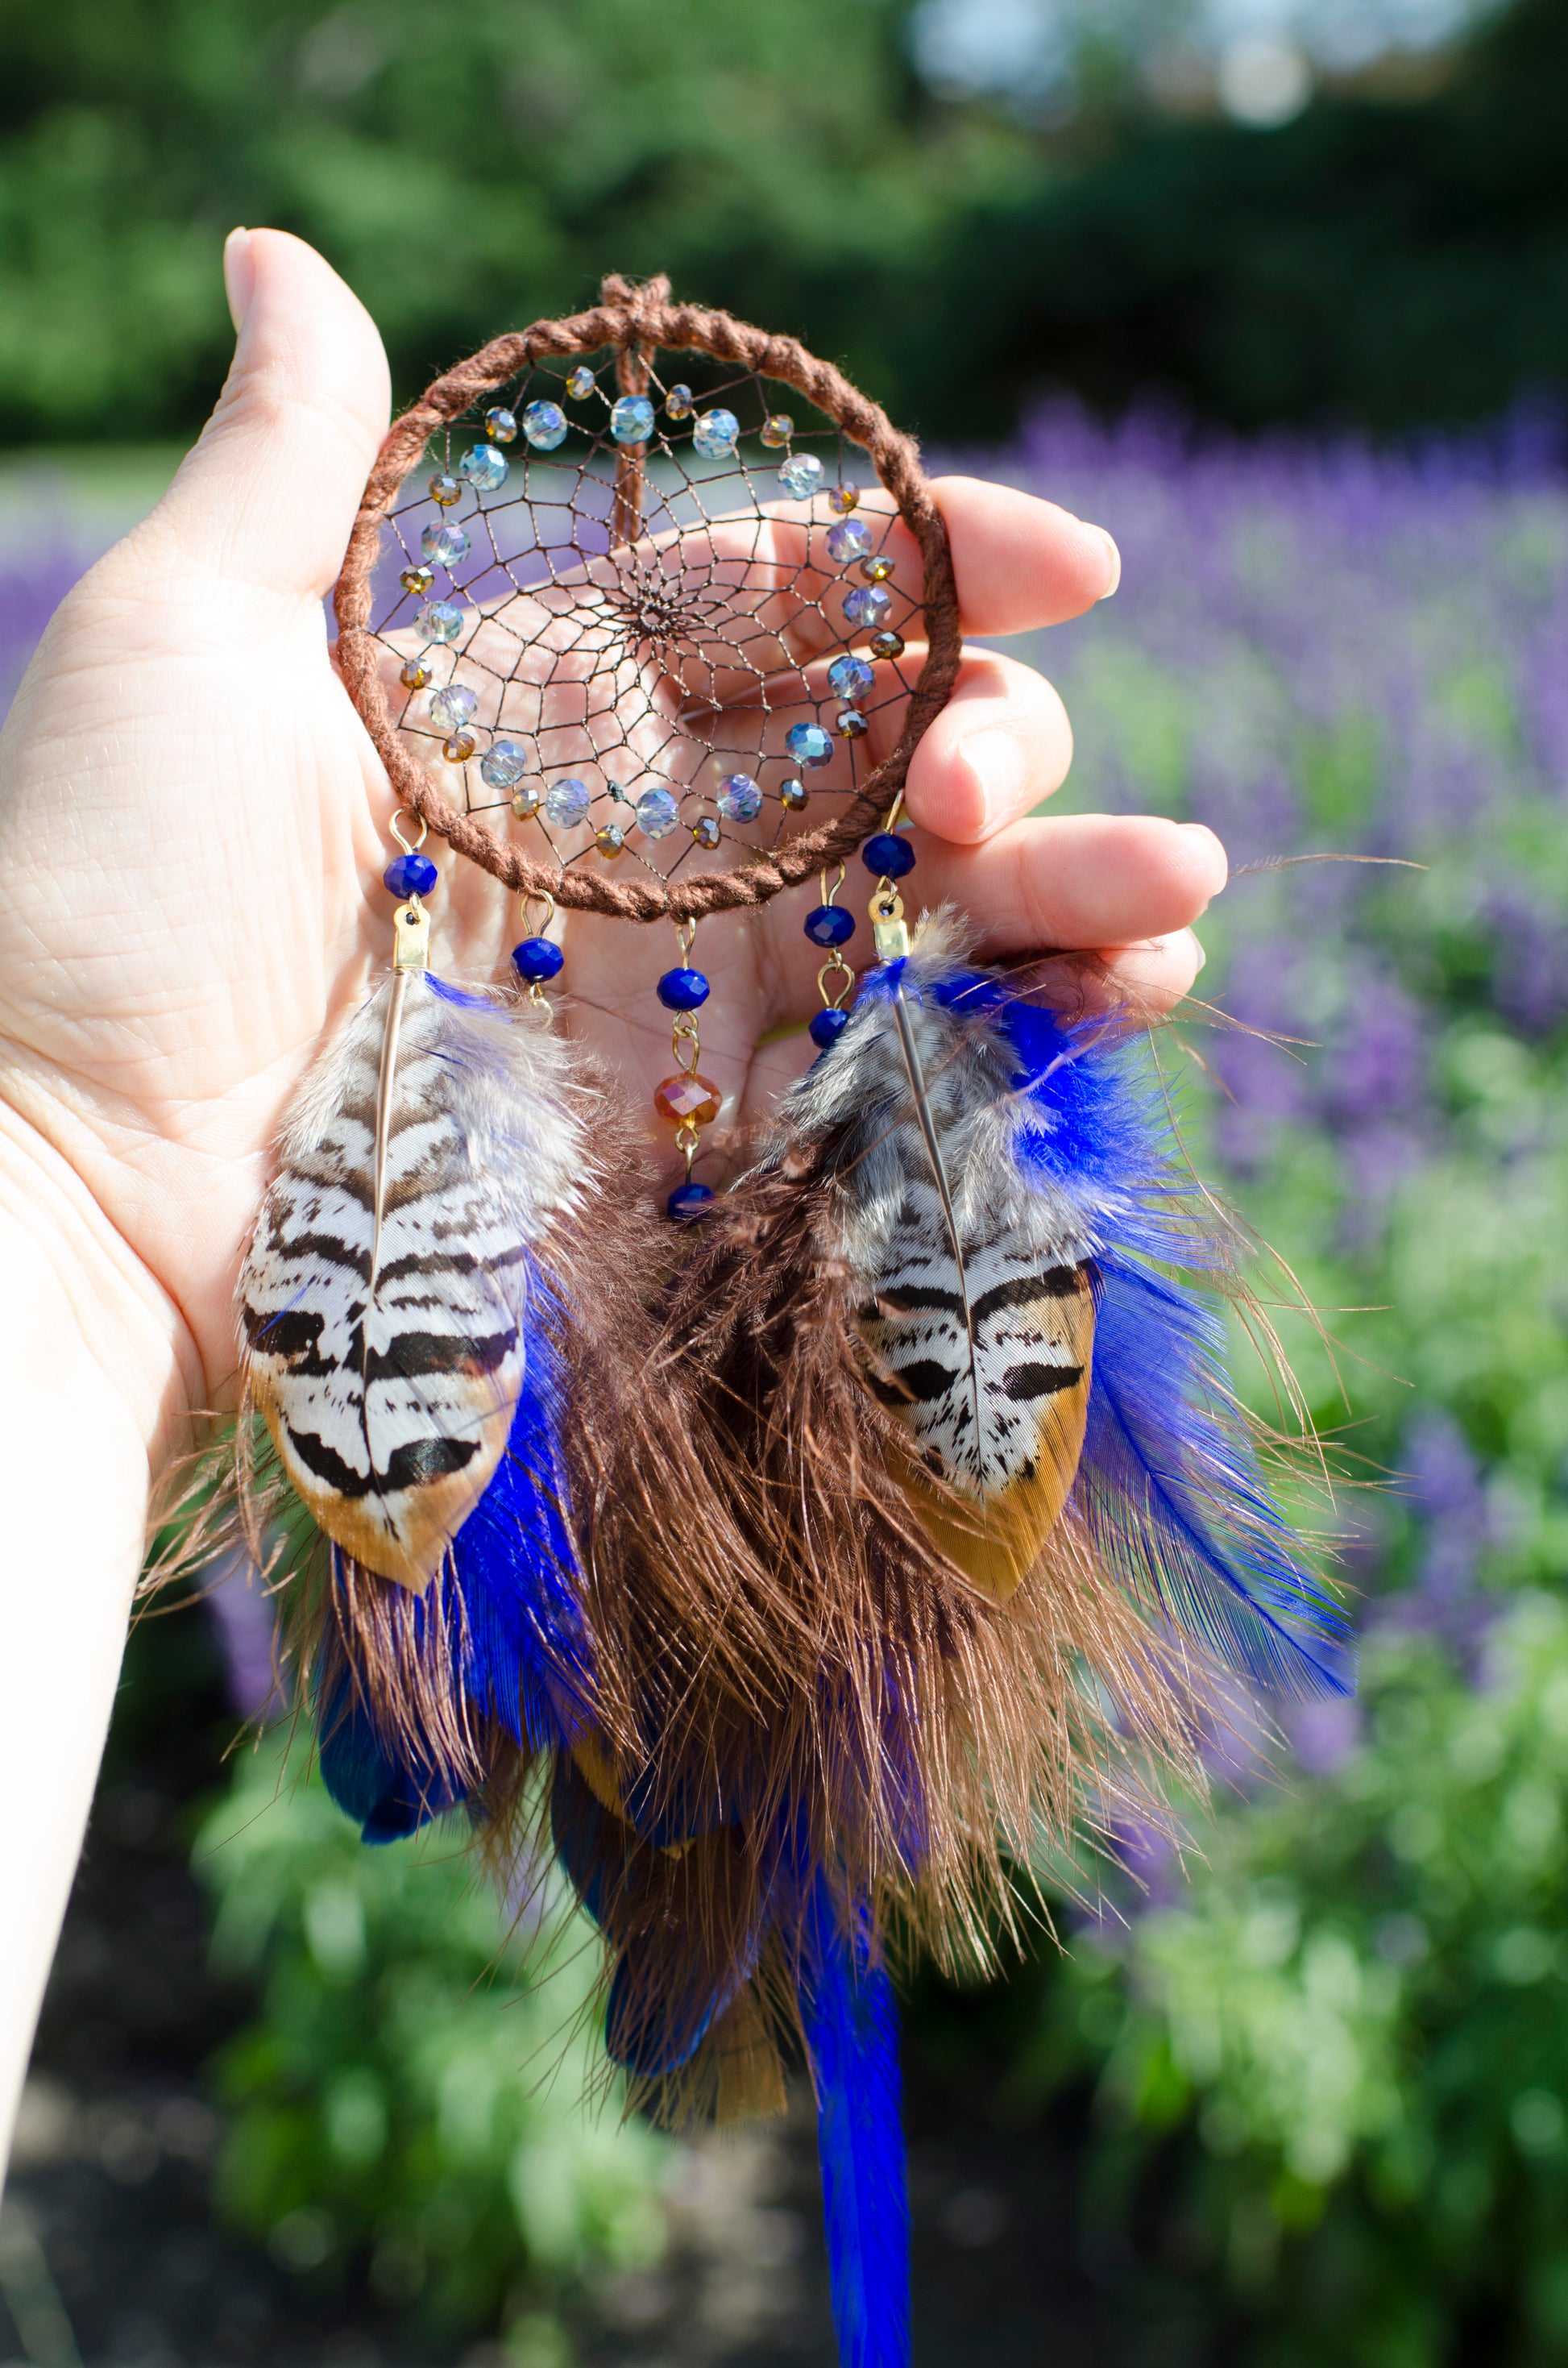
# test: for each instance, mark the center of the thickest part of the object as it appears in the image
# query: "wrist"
(82, 1310)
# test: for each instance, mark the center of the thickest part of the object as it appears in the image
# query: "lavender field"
(1318, 2077)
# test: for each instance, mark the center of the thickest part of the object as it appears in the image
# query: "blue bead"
(827, 1028)
(888, 856)
(536, 960)
(808, 743)
(688, 1202)
(411, 875)
(830, 924)
(682, 990)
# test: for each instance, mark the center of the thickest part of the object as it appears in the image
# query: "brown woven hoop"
(634, 320)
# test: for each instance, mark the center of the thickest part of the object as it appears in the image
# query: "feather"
(850, 2021)
(993, 1489)
(383, 1296)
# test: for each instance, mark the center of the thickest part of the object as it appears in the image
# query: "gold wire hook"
(538, 896)
(396, 827)
(829, 893)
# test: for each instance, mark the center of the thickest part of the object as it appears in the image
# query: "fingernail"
(1115, 556)
(1202, 957)
(239, 275)
(998, 762)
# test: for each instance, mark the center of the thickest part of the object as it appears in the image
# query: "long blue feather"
(850, 2019)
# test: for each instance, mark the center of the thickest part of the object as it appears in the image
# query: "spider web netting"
(638, 637)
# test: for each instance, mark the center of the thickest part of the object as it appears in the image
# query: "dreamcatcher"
(811, 1550)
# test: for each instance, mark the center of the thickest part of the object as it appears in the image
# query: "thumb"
(268, 494)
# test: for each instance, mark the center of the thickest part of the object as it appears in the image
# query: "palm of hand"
(195, 812)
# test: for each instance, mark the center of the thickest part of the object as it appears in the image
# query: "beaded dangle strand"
(687, 1101)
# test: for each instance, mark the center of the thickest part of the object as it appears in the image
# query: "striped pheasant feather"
(977, 1313)
(383, 1298)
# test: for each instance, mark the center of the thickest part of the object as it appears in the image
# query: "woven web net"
(640, 638)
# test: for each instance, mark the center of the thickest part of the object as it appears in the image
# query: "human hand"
(198, 825)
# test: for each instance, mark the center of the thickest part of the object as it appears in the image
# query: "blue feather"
(387, 1797)
(850, 2019)
(516, 1636)
(1168, 1486)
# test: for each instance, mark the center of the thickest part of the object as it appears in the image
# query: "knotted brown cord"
(634, 320)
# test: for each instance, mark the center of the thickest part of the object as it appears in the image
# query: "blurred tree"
(1383, 262)
(463, 172)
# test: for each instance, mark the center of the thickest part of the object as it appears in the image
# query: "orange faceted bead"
(688, 1102)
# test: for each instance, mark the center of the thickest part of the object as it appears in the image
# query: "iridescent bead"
(887, 646)
(444, 489)
(444, 545)
(502, 764)
(887, 857)
(453, 707)
(844, 498)
(461, 747)
(525, 802)
(739, 798)
(536, 960)
(776, 429)
(544, 424)
(851, 677)
(500, 424)
(867, 605)
(580, 382)
(567, 803)
(848, 540)
(415, 673)
(801, 476)
(609, 838)
(417, 580)
(657, 814)
(829, 925)
(850, 724)
(631, 419)
(878, 568)
(440, 621)
(410, 875)
(716, 435)
(484, 468)
(793, 796)
(677, 403)
(808, 743)
(705, 831)
(689, 1202)
(682, 990)
(827, 1028)
(688, 1102)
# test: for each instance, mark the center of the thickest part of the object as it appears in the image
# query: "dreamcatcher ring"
(635, 323)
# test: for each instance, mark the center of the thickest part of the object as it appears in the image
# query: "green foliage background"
(1378, 261)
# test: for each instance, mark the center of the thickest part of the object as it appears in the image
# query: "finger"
(1077, 884)
(1152, 976)
(268, 496)
(1001, 745)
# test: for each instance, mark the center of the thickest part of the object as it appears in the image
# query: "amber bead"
(688, 1102)
(415, 673)
(887, 646)
(609, 839)
(444, 489)
(878, 568)
(461, 747)
(844, 498)
(417, 580)
(706, 831)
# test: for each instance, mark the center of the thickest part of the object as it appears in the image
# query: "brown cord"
(633, 319)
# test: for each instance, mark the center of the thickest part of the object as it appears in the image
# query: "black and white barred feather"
(384, 1296)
